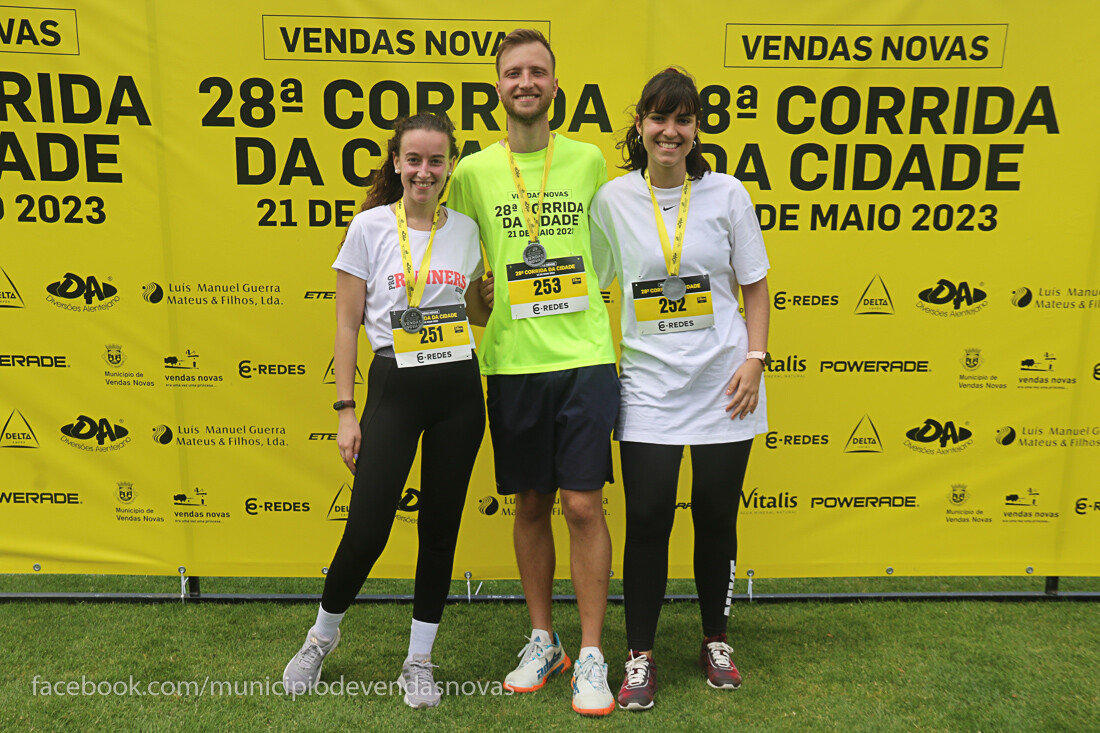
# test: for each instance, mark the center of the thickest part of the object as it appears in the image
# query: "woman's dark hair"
(386, 187)
(668, 93)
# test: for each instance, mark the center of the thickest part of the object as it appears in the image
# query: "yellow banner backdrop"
(175, 178)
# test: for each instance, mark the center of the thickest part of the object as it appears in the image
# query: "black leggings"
(650, 476)
(445, 403)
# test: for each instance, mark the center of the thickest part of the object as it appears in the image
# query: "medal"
(534, 255)
(412, 320)
(673, 288)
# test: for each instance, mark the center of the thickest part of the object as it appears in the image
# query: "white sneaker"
(538, 663)
(304, 670)
(591, 695)
(418, 684)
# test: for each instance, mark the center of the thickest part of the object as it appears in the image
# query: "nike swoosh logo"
(666, 208)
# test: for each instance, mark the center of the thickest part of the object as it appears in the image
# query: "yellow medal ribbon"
(673, 251)
(414, 286)
(517, 177)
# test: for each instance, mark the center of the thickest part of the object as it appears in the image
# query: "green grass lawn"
(874, 666)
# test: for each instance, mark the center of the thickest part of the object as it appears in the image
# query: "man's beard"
(529, 119)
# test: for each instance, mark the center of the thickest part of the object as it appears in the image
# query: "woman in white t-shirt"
(403, 273)
(681, 240)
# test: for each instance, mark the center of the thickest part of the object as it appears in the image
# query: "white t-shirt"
(372, 252)
(674, 384)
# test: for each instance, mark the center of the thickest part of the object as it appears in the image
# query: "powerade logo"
(17, 432)
(254, 506)
(39, 497)
(948, 299)
(934, 437)
(96, 296)
(881, 366)
(42, 361)
(863, 502)
(246, 369)
(87, 433)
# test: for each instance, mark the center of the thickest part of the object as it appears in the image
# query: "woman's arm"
(351, 296)
(745, 385)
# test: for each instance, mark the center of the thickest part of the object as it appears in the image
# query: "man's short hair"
(520, 36)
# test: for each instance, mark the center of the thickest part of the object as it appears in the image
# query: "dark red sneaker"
(715, 658)
(640, 683)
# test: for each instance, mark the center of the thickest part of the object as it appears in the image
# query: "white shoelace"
(311, 654)
(720, 654)
(421, 673)
(637, 671)
(593, 672)
(533, 650)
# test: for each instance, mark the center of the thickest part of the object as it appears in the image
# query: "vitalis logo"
(73, 287)
(864, 438)
(791, 366)
(9, 294)
(87, 433)
(330, 374)
(875, 300)
(754, 501)
(488, 505)
(17, 432)
(948, 299)
(950, 439)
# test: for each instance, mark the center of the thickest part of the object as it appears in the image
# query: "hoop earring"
(694, 143)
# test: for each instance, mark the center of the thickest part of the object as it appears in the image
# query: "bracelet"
(761, 355)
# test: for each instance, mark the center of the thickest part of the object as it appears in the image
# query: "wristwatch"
(341, 404)
(761, 355)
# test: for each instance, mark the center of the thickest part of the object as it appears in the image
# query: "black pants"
(444, 402)
(650, 476)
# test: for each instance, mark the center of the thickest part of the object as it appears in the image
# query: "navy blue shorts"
(553, 430)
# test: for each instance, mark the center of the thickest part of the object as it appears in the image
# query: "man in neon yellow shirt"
(553, 394)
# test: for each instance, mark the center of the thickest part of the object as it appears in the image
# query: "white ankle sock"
(327, 625)
(421, 639)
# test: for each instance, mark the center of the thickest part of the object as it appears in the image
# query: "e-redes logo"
(936, 438)
(97, 296)
(948, 299)
(17, 432)
(9, 294)
(99, 436)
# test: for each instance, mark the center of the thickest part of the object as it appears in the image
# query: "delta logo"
(17, 432)
(330, 374)
(864, 438)
(9, 294)
(947, 299)
(875, 299)
(69, 290)
(938, 438)
(90, 434)
(341, 503)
